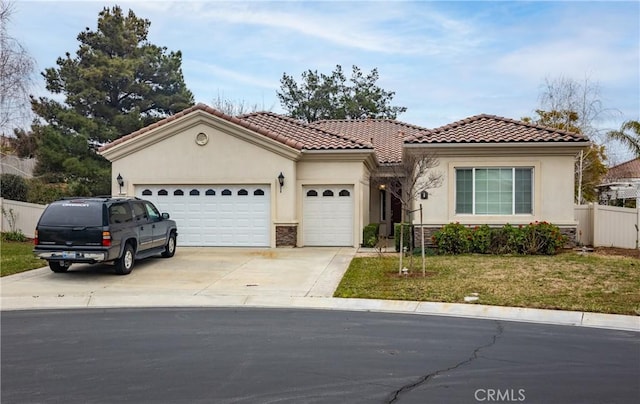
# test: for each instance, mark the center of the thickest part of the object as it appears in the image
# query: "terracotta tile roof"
(280, 128)
(387, 136)
(311, 138)
(627, 170)
(494, 129)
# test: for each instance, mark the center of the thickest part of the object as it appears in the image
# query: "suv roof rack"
(104, 197)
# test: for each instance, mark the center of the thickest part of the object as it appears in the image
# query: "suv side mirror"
(165, 215)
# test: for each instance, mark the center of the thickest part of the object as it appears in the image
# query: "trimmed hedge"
(370, 235)
(408, 236)
(533, 239)
(13, 187)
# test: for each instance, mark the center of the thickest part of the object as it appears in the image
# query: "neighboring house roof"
(285, 130)
(494, 129)
(626, 171)
(311, 138)
(387, 136)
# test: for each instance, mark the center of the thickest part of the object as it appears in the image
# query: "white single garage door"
(215, 215)
(328, 215)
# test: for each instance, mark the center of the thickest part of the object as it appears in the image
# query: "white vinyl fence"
(607, 226)
(25, 215)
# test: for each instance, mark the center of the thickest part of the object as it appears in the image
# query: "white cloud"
(212, 72)
(569, 58)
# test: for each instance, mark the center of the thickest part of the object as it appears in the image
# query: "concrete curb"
(539, 316)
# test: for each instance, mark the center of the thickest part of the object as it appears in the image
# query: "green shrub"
(481, 239)
(13, 187)
(505, 240)
(15, 235)
(43, 193)
(542, 238)
(370, 235)
(453, 238)
(407, 241)
(534, 238)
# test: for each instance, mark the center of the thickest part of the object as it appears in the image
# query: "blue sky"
(445, 60)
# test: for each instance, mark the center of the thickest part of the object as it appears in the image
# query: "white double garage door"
(240, 215)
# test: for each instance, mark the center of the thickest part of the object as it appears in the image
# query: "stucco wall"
(224, 159)
(233, 155)
(552, 194)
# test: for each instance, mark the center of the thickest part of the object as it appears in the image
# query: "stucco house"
(267, 180)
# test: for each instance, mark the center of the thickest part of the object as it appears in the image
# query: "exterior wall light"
(120, 182)
(281, 181)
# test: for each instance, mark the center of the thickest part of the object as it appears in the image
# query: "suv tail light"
(35, 238)
(106, 239)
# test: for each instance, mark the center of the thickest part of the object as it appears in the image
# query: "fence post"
(637, 225)
(594, 224)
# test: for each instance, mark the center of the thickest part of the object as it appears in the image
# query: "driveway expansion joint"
(395, 396)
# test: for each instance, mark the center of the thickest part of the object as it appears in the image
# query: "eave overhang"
(507, 148)
(366, 156)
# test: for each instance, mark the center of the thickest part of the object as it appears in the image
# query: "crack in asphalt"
(426, 378)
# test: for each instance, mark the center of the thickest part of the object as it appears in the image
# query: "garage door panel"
(328, 216)
(215, 215)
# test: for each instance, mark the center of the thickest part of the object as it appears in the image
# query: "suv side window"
(152, 211)
(139, 211)
(119, 213)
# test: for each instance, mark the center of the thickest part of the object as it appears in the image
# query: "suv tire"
(124, 264)
(59, 266)
(170, 248)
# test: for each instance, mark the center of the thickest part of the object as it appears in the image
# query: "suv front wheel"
(124, 264)
(170, 248)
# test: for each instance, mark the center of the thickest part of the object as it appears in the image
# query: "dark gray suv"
(92, 230)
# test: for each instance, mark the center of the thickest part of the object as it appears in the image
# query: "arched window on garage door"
(344, 192)
(258, 192)
(243, 192)
(163, 192)
(178, 192)
(226, 192)
(147, 192)
(327, 192)
(312, 192)
(194, 192)
(210, 192)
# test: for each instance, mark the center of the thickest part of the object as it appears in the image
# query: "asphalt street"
(243, 355)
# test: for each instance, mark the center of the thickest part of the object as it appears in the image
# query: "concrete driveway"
(194, 276)
(241, 277)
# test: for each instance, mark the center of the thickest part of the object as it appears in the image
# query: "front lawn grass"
(18, 257)
(568, 281)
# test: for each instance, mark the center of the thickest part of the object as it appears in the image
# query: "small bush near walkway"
(539, 238)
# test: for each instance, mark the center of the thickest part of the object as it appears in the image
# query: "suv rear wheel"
(124, 264)
(59, 266)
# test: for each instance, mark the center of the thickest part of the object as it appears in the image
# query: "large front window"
(494, 191)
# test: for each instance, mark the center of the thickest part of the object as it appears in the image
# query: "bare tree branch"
(406, 180)
(236, 108)
(16, 70)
